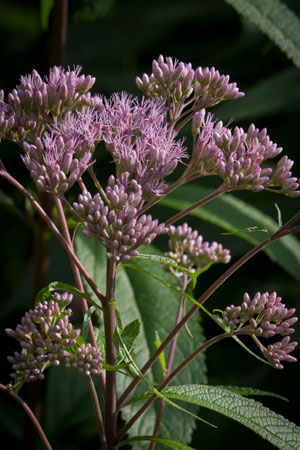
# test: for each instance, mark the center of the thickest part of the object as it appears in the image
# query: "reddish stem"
(30, 414)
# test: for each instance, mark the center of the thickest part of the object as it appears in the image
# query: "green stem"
(30, 414)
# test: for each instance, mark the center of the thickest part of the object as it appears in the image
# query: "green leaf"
(251, 391)
(175, 445)
(130, 335)
(250, 230)
(162, 358)
(155, 305)
(233, 214)
(165, 261)
(269, 425)
(46, 293)
(46, 8)
(276, 20)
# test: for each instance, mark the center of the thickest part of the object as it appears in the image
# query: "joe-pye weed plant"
(57, 123)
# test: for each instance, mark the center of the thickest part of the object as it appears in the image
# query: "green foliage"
(275, 19)
(175, 445)
(269, 425)
(155, 306)
(234, 214)
(46, 8)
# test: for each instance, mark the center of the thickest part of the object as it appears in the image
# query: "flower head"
(140, 142)
(47, 336)
(175, 82)
(118, 226)
(239, 156)
(189, 250)
(53, 162)
(51, 96)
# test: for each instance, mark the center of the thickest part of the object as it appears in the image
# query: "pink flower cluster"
(137, 135)
(176, 82)
(47, 335)
(117, 225)
(265, 316)
(190, 251)
(238, 157)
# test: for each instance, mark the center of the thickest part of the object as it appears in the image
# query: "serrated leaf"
(252, 391)
(155, 306)
(269, 425)
(276, 20)
(175, 445)
(230, 214)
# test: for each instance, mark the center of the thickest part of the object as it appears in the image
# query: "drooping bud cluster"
(189, 250)
(86, 359)
(175, 81)
(140, 141)
(265, 316)
(46, 337)
(237, 157)
(117, 226)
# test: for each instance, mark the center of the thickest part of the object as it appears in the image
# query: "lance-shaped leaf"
(269, 425)
(276, 20)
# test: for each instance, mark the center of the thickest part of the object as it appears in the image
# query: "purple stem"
(55, 230)
(281, 232)
(97, 410)
(220, 190)
(169, 363)
(78, 280)
(30, 414)
(168, 379)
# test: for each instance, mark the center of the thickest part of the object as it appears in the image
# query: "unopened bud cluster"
(46, 337)
(265, 316)
(190, 251)
(52, 95)
(238, 157)
(86, 359)
(141, 142)
(117, 226)
(175, 81)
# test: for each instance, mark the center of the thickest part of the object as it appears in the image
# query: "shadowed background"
(115, 42)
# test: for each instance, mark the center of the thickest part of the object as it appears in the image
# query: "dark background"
(116, 47)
